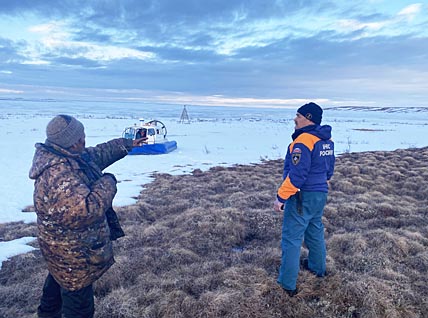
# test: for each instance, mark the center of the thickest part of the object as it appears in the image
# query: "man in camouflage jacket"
(72, 197)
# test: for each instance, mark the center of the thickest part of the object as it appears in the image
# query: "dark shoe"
(305, 265)
(291, 292)
(44, 314)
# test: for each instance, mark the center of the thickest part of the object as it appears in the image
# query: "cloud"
(411, 11)
(8, 51)
(243, 49)
(355, 25)
(10, 91)
(56, 41)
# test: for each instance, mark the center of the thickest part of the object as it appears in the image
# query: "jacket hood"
(323, 132)
(46, 157)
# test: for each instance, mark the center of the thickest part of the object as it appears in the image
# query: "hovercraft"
(154, 133)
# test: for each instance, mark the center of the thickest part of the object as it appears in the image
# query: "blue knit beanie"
(311, 111)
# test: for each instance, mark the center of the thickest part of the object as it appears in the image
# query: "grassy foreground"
(208, 245)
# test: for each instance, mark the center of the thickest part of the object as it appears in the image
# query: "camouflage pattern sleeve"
(69, 200)
(109, 152)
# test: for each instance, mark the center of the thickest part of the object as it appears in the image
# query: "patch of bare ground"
(208, 245)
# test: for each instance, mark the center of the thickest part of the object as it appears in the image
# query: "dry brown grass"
(208, 245)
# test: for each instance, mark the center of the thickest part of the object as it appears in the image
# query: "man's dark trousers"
(72, 304)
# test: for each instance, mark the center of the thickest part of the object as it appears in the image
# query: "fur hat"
(64, 130)
(311, 111)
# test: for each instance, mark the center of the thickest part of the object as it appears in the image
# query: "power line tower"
(184, 119)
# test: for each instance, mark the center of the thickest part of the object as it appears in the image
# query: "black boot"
(305, 265)
(291, 292)
(114, 225)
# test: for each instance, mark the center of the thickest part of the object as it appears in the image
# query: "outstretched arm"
(109, 152)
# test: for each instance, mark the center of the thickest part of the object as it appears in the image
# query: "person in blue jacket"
(309, 164)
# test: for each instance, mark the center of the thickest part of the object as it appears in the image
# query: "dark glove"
(110, 175)
(114, 225)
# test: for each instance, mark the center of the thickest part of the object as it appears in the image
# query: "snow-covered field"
(215, 136)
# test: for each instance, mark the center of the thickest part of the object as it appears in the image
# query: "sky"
(276, 53)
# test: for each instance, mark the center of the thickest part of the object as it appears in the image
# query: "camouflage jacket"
(71, 196)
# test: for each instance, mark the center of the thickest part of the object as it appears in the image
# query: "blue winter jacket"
(309, 161)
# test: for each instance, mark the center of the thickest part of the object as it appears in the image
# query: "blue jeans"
(302, 221)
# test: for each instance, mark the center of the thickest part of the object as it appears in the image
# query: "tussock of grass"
(10, 231)
(208, 245)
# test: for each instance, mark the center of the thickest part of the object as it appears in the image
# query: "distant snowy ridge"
(382, 109)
